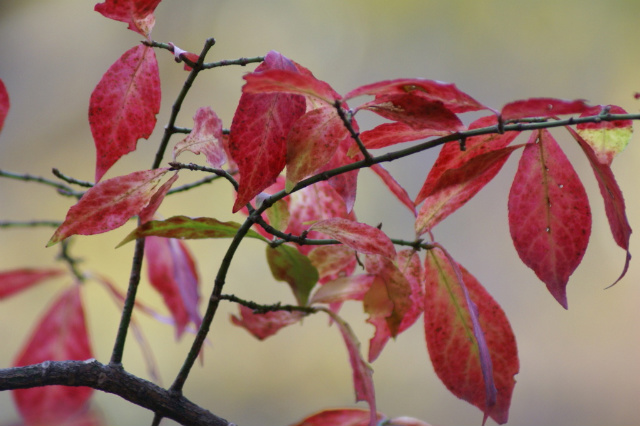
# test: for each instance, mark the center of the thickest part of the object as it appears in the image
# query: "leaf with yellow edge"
(606, 138)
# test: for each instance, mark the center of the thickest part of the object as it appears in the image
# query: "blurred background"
(578, 367)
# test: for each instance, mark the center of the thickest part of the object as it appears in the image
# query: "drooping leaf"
(606, 138)
(395, 188)
(157, 198)
(549, 215)
(259, 129)
(172, 272)
(452, 341)
(333, 261)
(124, 105)
(342, 417)
(311, 143)
(17, 280)
(60, 335)
(205, 138)
(4, 103)
(289, 81)
(361, 237)
(387, 134)
(452, 157)
(542, 107)
(447, 93)
(343, 289)
(109, 204)
(137, 13)
(266, 324)
(457, 186)
(614, 205)
(415, 111)
(289, 265)
(187, 228)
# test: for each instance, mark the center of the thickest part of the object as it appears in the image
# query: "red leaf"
(137, 13)
(542, 107)
(340, 417)
(361, 237)
(17, 280)
(257, 141)
(452, 338)
(395, 188)
(172, 272)
(109, 204)
(415, 111)
(267, 324)
(332, 262)
(452, 98)
(156, 200)
(4, 103)
(205, 138)
(124, 105)
(60, 335)
(613, 200)
(289, 81)
(311, 143)
(549, 215)
(452, 157)
(345, 184)
(606, 138)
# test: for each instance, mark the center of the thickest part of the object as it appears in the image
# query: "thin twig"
(30, 224)
(261, 309)
(346, 118)
(70, 179)
(30, 178)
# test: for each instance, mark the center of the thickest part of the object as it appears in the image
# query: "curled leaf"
(138, 14)
(266, 324)
(205, 138)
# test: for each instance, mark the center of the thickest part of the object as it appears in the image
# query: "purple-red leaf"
(549, 215)
(137, 13)
(60, 335)
(452, 325)
(257, 142)
(4, 103)
(361, 237)
(205, 138)
(124, 105)
(266, 324)
(172, 272)
(387, 134)
(395, 188)
(157, 198)
(289, 81)
(606, 138)
(613, 200)
(109, 204)
(17, 280)
(447, 93)
(542, 107)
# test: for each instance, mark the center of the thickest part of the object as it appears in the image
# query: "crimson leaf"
(17, 280)
(137, 13)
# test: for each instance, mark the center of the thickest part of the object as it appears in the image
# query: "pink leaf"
(343, 289)
(124, 105)
(345, 184)
(606, 138)
(341, 417)
(361, 237)
(311, 143)
(461, 319)
(415, 111)
(205, 138)
(4, 103)
(156, 200)
(17, 280)
(109, 204)
(257, 142)
(172, 272)
(137, 13)
(266, 324)
(542, 107)
(289, 81)
(60, 335)
(395, 188)
(549, 215)
(387, 134)
(452, 98)
(332, 262)
(613, 200)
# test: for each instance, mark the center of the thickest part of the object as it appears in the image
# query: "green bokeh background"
(578, 367)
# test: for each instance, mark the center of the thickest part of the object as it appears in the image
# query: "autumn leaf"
(149, 211)
(333, 261)
(542, 107)
(549, 215)
(345, 184)
(60, 335)
(361, 237)
(289, 265)
(205, 138)
(109, 204)
(395, 188)
(17, 280)
(137, 13)
(452, 339)
(343, 289)
(4, 103)
(606, 138)
(258, 135)
(387, 134)
(123, 106)
(172, 272)
(342, 417)
(289, 81)
(265, 324)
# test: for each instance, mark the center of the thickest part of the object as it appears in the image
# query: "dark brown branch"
(113, 380)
